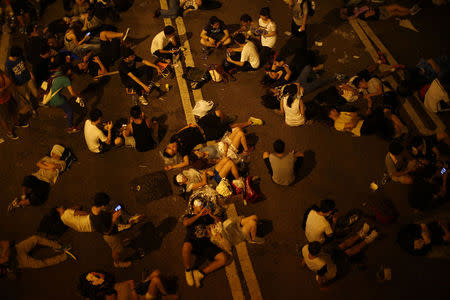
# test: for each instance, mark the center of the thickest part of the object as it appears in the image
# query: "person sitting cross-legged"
(140, 131)
(244, 58)
(319, 222)
(322, 263)
(164, 45)
(214, 35)
(197, 241)
(281, 166)
(398, 167)
(138, 80)
(96, 140)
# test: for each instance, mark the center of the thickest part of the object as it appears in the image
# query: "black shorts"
(204, 248)
(212, 126)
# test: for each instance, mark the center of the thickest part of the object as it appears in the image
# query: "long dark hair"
(290, 90)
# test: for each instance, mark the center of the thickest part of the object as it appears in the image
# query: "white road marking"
(182, 86)
(241, 249)
(366, 34)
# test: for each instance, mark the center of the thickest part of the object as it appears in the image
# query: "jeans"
(310, 87)
(172, 9)
(26, 246)
(69, 113)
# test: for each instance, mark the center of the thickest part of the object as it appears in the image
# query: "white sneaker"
(198, 276)
(255, 121)
(126, 34)
(364, 230)
(189, 278)
(371, 237)
(142, 100)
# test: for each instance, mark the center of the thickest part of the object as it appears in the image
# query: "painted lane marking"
(231, 269)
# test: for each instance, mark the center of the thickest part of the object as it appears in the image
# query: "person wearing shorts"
(197, 241)
(215, 34)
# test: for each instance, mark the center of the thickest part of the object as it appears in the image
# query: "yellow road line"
(364, 32)
(182, 86)
(245, 262)
(230, 270)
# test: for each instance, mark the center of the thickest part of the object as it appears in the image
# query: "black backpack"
(197, 77)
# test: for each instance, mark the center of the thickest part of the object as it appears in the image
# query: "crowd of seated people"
(212, 149)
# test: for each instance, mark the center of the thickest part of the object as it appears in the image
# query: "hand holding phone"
(118, 207)
(443, 171)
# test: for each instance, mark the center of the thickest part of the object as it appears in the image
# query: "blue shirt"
(19, 73)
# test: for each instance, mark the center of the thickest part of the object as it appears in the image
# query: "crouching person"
(198, 242)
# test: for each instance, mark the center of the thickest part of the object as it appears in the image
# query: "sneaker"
(371, 237)
(70, 255)
(167, 87)
(122, 264)
(256, 240)
(23, 125)
(198, 277)
(13, 205)
(64, 248)
(122, 227)
(71, 130)
(189, 278)
(80, 101)
(12, 135)
(125, 35)
(364, 230)
(255, 121)
(136, 219)
(142, 100)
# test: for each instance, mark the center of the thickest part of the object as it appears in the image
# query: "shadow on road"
(148, 237)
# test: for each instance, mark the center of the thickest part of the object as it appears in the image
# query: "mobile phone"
(443, 171)
(88, 34)
(118, 207)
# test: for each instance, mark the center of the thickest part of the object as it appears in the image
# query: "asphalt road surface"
(336, 166)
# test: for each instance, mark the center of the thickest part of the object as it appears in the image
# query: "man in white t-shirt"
(435, 95)
(164, 45)
(317, 227)
(245, 57)
(96, 140)
(76, 219)
(319, 262)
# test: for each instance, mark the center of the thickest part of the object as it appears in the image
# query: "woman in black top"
(142, 129)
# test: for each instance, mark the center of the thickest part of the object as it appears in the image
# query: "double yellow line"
(244, 259)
